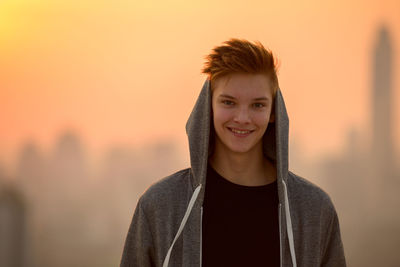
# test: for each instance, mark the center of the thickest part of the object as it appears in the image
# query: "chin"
(240, 149)
(230, 145)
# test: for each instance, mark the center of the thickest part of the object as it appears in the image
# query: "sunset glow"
(129, 72)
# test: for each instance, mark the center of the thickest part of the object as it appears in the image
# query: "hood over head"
(198, 129)
(275, 147)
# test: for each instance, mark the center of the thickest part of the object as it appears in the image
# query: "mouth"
(240, 132)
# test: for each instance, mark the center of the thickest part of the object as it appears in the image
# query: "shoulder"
(308, 195)
(167, 192)
(315, 223)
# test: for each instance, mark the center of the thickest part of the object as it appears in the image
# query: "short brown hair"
(241, 56)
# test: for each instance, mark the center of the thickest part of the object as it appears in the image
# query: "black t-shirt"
(240, 224)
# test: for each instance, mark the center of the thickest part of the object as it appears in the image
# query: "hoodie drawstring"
(185, 217)
(289, 226)
(189, 209)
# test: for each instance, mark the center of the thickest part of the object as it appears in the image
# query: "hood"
(275, 147)
(198, 127)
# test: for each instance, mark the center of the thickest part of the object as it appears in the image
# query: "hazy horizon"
(129, 73)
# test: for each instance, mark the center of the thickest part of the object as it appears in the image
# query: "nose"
(242, 116)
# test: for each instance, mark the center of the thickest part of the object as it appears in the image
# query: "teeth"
(240, 132)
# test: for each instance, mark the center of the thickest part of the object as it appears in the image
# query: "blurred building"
(364, 180)
(13, 238)
(77, 216)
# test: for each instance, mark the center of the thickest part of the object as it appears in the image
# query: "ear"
(272, 118)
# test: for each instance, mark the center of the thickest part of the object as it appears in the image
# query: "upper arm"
(333, 255)
(138, 249)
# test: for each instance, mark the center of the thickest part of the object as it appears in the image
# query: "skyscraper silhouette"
(382, 107)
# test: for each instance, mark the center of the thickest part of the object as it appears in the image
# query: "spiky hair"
(241, 56)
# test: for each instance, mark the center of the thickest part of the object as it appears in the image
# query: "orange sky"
(129, 72)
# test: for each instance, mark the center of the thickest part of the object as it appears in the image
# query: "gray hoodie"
(166, 226)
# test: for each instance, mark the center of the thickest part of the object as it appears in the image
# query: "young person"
(238, 204)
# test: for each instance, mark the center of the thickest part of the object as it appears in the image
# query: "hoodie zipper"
(280, 233)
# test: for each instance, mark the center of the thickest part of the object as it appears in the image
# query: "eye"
(258, 105)
(227, 102)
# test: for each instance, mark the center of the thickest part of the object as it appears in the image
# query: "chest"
(240, 226)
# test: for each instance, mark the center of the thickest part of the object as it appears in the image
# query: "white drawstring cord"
(187, 213)
(189, 209)
(289, 226)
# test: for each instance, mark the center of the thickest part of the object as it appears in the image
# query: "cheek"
(261, 119)
(221, 116)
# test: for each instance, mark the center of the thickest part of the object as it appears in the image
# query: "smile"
(239, 132)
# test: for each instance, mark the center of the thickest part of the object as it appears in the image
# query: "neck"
(249, 169)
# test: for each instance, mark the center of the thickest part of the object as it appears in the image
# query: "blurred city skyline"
(129, 72)
(72, 208)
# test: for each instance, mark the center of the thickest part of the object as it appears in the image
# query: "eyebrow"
(255, 99)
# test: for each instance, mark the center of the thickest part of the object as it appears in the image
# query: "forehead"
(243, 84)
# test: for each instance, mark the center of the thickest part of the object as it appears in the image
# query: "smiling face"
(241, 106)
